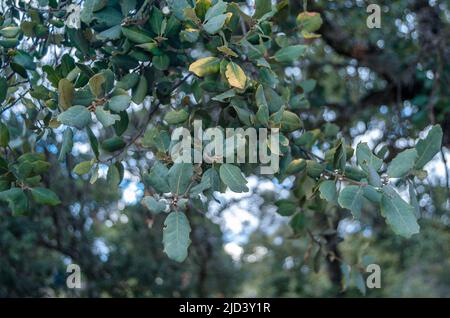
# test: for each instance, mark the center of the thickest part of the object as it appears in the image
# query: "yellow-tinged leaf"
(66, 91)
(201, 6)
(54, 123)
(227, 51)
(309, 35)
(235, 75)
(229, 16)
(205, 66)
(96, 84)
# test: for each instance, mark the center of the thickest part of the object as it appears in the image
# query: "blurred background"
(380, 85)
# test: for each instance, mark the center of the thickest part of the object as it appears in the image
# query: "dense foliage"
(121, 76)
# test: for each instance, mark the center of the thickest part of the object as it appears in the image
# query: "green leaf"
(105, 117)
(413, 200)
(225, 95)
(374, 177)
(155, 20)
(93, 141)
(119, 103)
(87, 12)
(340, 156)
(231, 175)
(351, 197)
(244, 115)
(275, 118)
(364, 157)
(159, 139)
(274, 100)
(82, 168)
(201, 7)
(290, 122)
(77, 37)
(290, 53)
(126, 6)
(113, 144)
(297, 222)
(121, 125)
(328, 191)
(398, 214)
(372, 194)
(67, 65)
(190, 35)
(16, 199)
(9, 43)
(402, 164)
(309, 21)
(296, 166)
(3, 89)
(216, 23)
(66, 93)
(76, 116)
(10, 31)
(308, 86)
(205, 66)
(94, 175)
(286, 207)
(314, 169)
(128, 81)
(176, 116)
(3, 169)
(45, 196)
(345, 270)
(139, 92)
(136, 35)
(109, 80)
(263, 109)
(4, 135)
(235, 75)
(154, 206)
(214, 179)
(19, 69)
(109, 16)
(161, 62)
(67, 144)
(24, 60)
(176, 236)
(158, 177)
(359, 281)
(204, 185)
(113, 176)
(179, 176)
(83, 97)
(112, 33)
(217, 9)
(262, 7)
(427, 148)
(178, 7)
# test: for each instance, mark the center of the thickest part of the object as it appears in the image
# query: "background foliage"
(90, 91)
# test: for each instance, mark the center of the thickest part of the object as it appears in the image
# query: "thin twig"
(146, 122)
(447, 176)
(15, 102)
